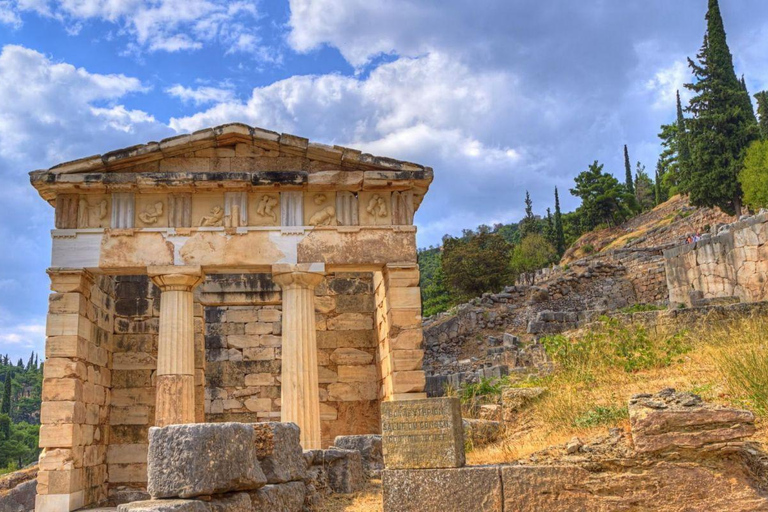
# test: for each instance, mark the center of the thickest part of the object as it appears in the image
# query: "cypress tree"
(628, 181)
(528, 225)
(762, 112)
(682, 145)
(559, 234)
(657, 182)
(721, 127)
(5, 408)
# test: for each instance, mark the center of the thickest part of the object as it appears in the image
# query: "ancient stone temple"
(234, 274)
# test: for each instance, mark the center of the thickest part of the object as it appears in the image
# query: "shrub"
(601, 415)
(588, 248)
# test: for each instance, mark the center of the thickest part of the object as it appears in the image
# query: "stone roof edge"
(226, 134)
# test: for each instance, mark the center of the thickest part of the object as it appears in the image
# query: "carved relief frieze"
(320, 209)
(374, 208)
(151, 210)
(214, 219)
(93, 212)
(266, 210)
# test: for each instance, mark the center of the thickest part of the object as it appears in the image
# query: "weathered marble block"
(279, 451)
(164, 506)
(443, 490)
(287, 497)
(344, 470)
(369, 447)
(426, 433)
(202, 459)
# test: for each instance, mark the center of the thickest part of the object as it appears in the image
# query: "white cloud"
(201, 95)
(23, 335)
(55, 111)
(157, 25)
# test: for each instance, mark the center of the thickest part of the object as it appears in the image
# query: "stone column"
(300, 398)
(175, 396)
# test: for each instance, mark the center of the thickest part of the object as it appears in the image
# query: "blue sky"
(498, 96)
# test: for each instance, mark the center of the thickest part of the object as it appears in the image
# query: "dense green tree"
(530, 223)
(435, 295)
(675, 159)
(644, 189)
(477, 265)
(628, 182)
(559, 233)
(531, 254)
(603, 199)
(762, 112)
(721, 126)
(754, 176)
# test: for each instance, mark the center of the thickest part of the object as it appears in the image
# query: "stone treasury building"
(233, 274)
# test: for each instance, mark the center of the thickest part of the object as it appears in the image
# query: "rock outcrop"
(682, 454)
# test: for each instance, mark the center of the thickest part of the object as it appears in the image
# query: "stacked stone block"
(134, 365)
(243, 350)
(217, 467)
(75, 397)
(400, 336)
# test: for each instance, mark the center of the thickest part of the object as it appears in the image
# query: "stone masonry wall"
(134, 363)
(75, 398)
(733, 263)
(243, 351)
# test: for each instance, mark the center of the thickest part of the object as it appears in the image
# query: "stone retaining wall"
(733, 263)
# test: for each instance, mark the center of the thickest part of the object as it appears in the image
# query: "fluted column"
(175, 381)
(300, 398)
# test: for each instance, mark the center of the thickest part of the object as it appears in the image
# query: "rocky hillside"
(668, 224)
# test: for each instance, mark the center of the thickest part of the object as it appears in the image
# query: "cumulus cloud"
(157, 25)
(201, 95)
(49, 112)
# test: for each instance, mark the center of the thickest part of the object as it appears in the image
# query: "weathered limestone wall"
(733, 263)
(134, 364)
(243, 350)
(75, 409)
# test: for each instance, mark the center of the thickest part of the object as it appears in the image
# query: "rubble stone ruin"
(230, 275)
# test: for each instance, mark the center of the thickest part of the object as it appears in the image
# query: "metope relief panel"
(320, 209)
(375, 208)
(402, 208)
(208, 210)
(235, 209)
(264, 210)
(151, 210)
(180, 210)
(93, 212)
(291, 208)
(347, 209)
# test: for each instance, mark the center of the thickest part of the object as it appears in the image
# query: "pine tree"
(721, 128)
(762, 112)
(5, 408)
(628, 181)
(559, 234)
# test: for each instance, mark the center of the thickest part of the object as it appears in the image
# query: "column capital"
(305, 275)
(176, 278)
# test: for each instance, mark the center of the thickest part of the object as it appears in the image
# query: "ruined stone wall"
(584, 285)
(243, 352)
(732, 263)
(75, 397)
(134, 363)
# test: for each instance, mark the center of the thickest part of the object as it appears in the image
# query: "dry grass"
(723, 361)
(367, 500)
